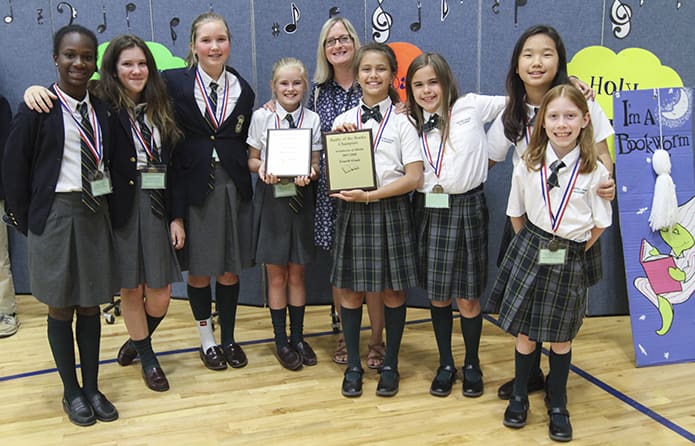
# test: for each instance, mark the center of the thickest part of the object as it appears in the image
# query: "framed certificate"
(349, 160)
(288, 152)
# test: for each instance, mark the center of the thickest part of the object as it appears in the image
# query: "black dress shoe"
(560, 428)
(235, 355)
(388, 381)
(306, 352)
(213, 358)
(289, 358)
(127, 353)
(472, 381)
(442, 382)
(155, 379)
(103, 409)
(516, 412)
(352, 382)
(79, 411)
(535, 384)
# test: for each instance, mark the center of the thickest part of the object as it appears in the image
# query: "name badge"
(100, 184)
(282, 189)
(437, 200)
(552, 257)
(154, 177)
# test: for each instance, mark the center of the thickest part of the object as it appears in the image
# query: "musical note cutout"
(621, 14)
(173, 23)
(444, 9)
(9, 18)
(415, 26)
(39, 16)
(518, 4)
(101, 28)
(291, 28)
(60, 7)
(130, 7)
(276, 29)
(334, 11)
(496, 7)
(381, 24)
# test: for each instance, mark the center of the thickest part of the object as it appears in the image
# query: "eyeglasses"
(333, 41)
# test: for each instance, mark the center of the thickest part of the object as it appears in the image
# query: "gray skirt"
(282, 236)
(452, 246)
(545, 302)
(218, 233)
(374, 246)
(143, 247)
(72, 262)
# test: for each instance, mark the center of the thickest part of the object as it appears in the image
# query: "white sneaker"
(8, 325)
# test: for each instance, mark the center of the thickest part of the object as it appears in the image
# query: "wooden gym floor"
(611, 401)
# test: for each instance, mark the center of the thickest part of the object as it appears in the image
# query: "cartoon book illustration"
(656, 266)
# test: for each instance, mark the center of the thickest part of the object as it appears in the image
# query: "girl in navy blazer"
(212, 187)
(56, 175)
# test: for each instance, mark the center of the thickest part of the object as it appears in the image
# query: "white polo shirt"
(396, 143)
(464, 157)
(585, 209)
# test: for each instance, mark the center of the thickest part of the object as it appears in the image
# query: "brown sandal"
(340, 355)
(375, 357)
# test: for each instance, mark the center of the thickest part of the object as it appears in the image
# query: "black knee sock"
(146, 354)
(279, 319)
(296, 323)
(559, 372)
(352, 319)
(152, 323)
(200, 300)
(536, 366)
(61, 341)
(442, 326)
(471, 329)
(394, 319)
(88, 335)
(226, 300)
(522, 367)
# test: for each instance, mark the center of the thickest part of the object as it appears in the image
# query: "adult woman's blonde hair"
(324, 70)
(588, 153)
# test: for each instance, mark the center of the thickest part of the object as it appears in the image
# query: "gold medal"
(553, 245)
(437, 189)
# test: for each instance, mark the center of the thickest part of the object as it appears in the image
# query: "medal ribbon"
(556, 218)
(300, 121)
(147, 145)
(95, 147)
(212, 114)
(436, 165)
(382, 126)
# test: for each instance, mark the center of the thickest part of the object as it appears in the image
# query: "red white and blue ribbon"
(556, 218)
(382, 125)
(212, 114)
(95, 147)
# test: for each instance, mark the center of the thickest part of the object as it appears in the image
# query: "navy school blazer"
(32, 159)
(191, 157)
(5, 118)
(124, 169)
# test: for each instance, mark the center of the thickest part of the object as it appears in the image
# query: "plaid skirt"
(374, 246)
(452, 246)
(143, 247)
(218, 232)
(72, 262)
(545, 302)
(282, 236)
